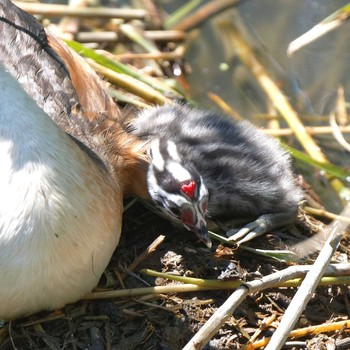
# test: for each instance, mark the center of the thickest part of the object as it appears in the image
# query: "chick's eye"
(175, 210)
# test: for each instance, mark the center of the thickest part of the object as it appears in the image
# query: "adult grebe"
(63, 175)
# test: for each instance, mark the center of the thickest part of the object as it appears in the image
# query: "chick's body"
(246, 172)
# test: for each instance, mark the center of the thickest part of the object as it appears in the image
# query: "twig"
(108, 332)
(178, 53)
(115, 66)
(271, 89)
(135, 36)
(150, 249)
(311, 130)
(50, 10)
(309, 284)
(110, 36)
(180, 13)
(337, 133)
(155, 17)
(270, 281)
(225, 311)
(131, 84)
(126, 271)
(224, 106)
(153, 306)
(278, 99)
(69, 26)
(311, 35)
(328, 24)
(127, 99)
(217, 320)
(340, 107)
(192, 280)
(326, 214)
(265, 324)
(208, 10)
(302, 332)
(325, 281)
(173, 288)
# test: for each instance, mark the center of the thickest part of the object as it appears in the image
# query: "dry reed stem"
(326, 214)
(303, 295)
(149, 250)
(49, 10)
(311, 130)
(225, 107)
(172, 55)
(173, 288)
(328, 24)
(302, 332)
(278, 99)
(111, 36)
(208, 10)
(225, 311)
(278, 279)
(338, 136)
(130, 84)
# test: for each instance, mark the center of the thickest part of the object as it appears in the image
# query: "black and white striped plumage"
(177, 188)
(246, 173)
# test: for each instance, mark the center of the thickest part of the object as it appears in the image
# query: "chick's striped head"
(177, 189)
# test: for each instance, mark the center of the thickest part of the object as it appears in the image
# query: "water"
(316, 70)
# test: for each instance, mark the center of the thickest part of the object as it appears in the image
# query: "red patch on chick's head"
(188, 188)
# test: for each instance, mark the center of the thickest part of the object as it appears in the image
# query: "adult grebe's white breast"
(60, 211)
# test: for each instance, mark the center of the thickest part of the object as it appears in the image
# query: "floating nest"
(162, 285)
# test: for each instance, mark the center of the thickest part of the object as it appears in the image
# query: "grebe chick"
(62, 177)
(204, 164)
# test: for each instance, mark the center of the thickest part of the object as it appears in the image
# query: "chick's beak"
(196, 223)
(202, 233)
